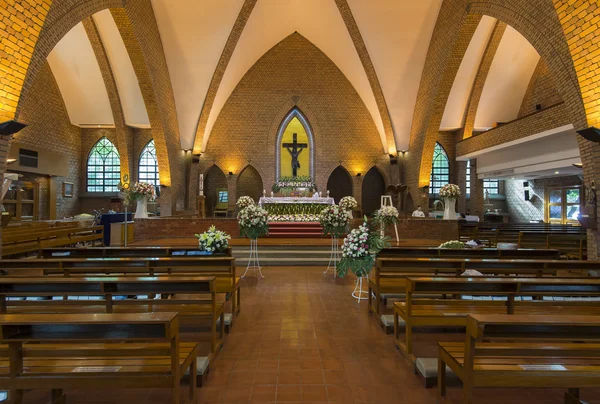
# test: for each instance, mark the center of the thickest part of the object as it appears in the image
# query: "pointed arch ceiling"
(507, 80)
(456, 106)
(318, 21)
(194, 34)
(79, 79)
(128, 86)
(397, 36)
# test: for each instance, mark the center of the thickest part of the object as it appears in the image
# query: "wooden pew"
(558, 351)
(34, 240)
(570, 246)
(390, 273)
(124, 252)
(79, 351)
(408, 252)
(222, 268)
(193, 297)
(453, 312)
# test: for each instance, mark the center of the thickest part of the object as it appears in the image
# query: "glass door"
(564, 205)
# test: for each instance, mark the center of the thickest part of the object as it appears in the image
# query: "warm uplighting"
(10, 161)
(230, 173)
(358, 174)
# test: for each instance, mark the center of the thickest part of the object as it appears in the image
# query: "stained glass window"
(468, 177)
(148, 168)
(103, 167)
(440, 170)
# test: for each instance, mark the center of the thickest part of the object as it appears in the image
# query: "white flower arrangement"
(253, 221)
(450, 191)
(141, 190)
(213, 240)
(334, 220)
(244, 201)
(301, 217)
(359, 250)
(453, 245)
(387, 215)
(348, 203)
(356, 244)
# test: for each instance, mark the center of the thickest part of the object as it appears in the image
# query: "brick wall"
(181, 227)
(524, 211)
(541, 90)
(294, 73)
(50, 129)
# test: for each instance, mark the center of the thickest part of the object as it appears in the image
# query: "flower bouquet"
(386, 215)
(143, 190)
(334, 221)
(348, 203)
(450, 191)
(299, 217)
(253, 221)
(359, 250)
(244, 202)
(453, 245)
(213, 240)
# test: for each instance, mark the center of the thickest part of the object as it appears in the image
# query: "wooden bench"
(408, 252)
(80, 351)
(453, 312)
(33, 240)
(390, 273)
(570, 246)
(222, 268)
(193, 297)
(558, 351)
(125, 252)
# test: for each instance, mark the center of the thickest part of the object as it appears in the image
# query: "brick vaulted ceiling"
(379, 45)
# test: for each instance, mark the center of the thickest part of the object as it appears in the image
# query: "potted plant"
(450, 193)
(213, 240)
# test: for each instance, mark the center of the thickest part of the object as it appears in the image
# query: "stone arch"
(339, 183)
(250, 183)
(373, 186)
(295, 113)
(214, 177)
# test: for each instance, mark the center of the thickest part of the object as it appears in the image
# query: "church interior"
(401, 195)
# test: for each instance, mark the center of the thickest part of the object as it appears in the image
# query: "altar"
(293, 208)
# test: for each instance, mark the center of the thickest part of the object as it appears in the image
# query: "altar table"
(294, 205)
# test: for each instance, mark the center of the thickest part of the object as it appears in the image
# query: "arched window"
(103, 167)
(440, 170)
(148, 168)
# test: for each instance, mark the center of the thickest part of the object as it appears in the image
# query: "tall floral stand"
(334, 257)
(449, 208)
(253, 262)
(360, 294)
(141, 211)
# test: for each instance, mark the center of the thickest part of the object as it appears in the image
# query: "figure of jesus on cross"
(295, 149)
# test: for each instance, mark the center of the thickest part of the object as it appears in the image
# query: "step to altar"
(285, 255)
(295, 229)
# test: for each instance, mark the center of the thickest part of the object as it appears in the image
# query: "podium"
(201, 204)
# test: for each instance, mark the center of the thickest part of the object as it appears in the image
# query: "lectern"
(201, 204)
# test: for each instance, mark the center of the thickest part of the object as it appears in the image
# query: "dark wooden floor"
(302, 338)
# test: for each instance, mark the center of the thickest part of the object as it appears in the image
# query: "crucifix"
(295, 149)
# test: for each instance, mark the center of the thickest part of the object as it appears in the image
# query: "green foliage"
(294, 208)
(453, 245)
(358, 266)
(335, 231)
(275, 188)
(255, 231)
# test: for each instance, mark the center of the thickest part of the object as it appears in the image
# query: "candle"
(264, 193)
(271, 194)
(328, 193)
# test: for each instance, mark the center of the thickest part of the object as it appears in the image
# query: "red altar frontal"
(184, 228)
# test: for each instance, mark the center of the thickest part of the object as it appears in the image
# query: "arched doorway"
(249, 184)
(213, 180)
(372, 189)
(339, 184)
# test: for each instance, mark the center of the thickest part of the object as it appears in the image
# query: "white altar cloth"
(266, 200)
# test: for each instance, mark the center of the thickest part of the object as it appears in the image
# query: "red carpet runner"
(295, 229)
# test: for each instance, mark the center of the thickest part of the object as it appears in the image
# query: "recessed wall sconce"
(578, 165)
(10, 161)
(358, 174)
(230, 173)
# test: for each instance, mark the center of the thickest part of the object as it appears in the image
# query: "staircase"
(285, 255)
(295, 229)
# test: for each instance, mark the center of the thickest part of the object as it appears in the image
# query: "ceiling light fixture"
(557, 172)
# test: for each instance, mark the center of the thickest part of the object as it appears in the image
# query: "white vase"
(449, 208)
(141, 211)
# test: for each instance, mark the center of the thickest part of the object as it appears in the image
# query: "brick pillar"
(461, 181)
(232, 189)
(357, 189)
(476, 200)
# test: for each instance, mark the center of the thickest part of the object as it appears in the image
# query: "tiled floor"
(301, 338)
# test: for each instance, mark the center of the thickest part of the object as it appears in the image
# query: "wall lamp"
(230, 173)
(358, 174)
(11, 127)
(592, 134)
